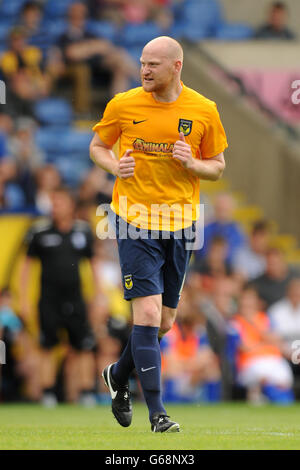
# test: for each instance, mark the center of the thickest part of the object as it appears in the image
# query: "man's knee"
(150, 315)
(146, 311)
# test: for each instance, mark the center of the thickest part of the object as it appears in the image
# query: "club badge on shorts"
(185, 126)
(128, 281)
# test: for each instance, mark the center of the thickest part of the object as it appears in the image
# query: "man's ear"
(178, 65)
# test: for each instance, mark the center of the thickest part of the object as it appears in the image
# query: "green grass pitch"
(222, 426)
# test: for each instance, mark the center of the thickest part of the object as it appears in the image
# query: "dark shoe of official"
(120, 395)
(162, 423)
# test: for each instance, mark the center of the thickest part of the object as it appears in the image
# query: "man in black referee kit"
(60, 244)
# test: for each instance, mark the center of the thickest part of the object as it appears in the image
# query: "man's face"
(248, 303)
(259, 241)
(275, 264)
(224, 208)
(62, 206)
(32, 17)
(278, 18)
(77, 14)
(17, 42)
(157, 70)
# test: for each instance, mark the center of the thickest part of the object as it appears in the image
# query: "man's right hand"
(126, 165)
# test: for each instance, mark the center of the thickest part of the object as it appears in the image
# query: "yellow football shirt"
(162, 194)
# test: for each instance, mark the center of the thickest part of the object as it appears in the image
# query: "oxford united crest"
(185, 126)
(128, 281)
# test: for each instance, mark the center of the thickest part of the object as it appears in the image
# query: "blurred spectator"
(120, 11)
(224, 226)
(10, 328)
(272, 284)
(276, 25)
(22, 66)
(218, 310)
(249, 261)
(137, 11)
(11, 194)
(47, 181)
(84, 54)
(107, 10)
(22, 146)
(21, 369)
(261, 367)
(164, 19)
(8, 318)
(60, 244)
(214, 265)
(31, 21)
(38, 35)
(96, 188)
(6, 127)
(187, 360)
(27, 156)
(285, 317)
(31, 18)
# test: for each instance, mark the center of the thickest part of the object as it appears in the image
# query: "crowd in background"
(239, 315)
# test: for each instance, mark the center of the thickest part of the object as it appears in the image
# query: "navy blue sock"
(125, 365)
(146, 356)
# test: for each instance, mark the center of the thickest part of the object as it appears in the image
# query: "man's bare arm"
(209, 168)
(87, 48)
(205, 168)
(104, 157)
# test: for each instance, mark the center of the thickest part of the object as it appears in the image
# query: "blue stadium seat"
(135, 35)
(66, 141)
(102, 29)
(206, 14)
(48, 34)
(195, 33)
(2, 50)
(5, 27)
(177, 30)
(10, 8)
(48, 138)
(53, 111)
(77, 142)
(71, 169)
(57, 8)
(55, 28)
(234, 32)
(135, 53)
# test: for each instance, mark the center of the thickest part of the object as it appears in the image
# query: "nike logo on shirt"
(138, 122)
(149, 368)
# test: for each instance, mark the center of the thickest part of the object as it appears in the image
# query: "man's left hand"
(182, 152)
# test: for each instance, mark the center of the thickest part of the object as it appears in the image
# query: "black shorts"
(64, 309)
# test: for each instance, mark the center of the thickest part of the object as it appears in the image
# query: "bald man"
(170, 137)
